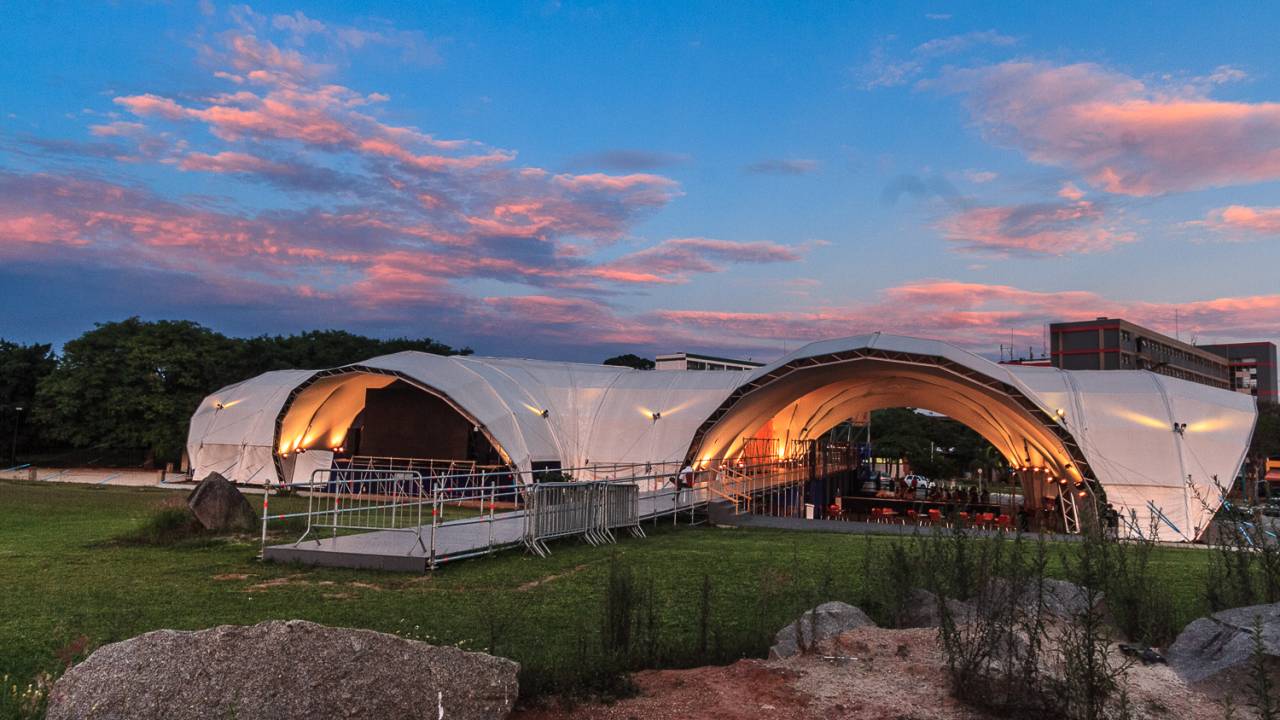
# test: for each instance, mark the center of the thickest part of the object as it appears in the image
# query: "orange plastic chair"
(986, 519)
(964, 519)
(875, 514)
(935, 515)
(1004, 522)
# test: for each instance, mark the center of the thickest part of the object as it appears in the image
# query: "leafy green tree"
(325, 349)
(133, 385)
(630, 360)
(21, 368)
(937, 447)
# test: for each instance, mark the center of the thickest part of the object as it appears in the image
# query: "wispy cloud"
(1121, 133)
(626, 160)
(1034, 229)
(782, 166)
(885, 69)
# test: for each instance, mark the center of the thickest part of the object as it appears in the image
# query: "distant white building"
(693, 361)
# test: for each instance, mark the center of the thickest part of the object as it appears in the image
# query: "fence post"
(435, 518)
(266, 493)
(492, 491)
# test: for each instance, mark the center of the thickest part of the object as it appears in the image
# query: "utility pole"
(17, 422)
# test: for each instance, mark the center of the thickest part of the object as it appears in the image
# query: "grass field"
(66, 587)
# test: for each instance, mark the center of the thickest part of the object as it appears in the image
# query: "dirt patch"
(747, 689)
(337, 596)
(544, 580)
(279, 582)
(366, 586)
(865, 674)
(232, 576)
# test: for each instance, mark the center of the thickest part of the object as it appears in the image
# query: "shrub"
(169, 525)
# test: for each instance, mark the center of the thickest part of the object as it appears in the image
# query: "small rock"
(285, 670)
(218, 505)
(825, 621)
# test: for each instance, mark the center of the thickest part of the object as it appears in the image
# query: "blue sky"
(566, 180)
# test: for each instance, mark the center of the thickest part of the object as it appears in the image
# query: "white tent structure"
(1153, 444)
(1157, 446)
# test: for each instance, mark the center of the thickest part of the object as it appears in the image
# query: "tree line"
(123, 393)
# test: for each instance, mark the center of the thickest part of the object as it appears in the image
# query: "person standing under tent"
(683, 480)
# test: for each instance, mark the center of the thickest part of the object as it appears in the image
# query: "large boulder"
(923, 611)
(285, 670)
(1061, 598)
(1224, 641)
(218, 505)
(823, 622)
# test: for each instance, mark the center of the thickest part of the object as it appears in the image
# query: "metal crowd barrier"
(615, 499)
(592, 510)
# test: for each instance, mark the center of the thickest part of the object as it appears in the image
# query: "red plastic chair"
(935, 515)
(913, 516)
(986, 519)
(1004, 522)
(964, 519)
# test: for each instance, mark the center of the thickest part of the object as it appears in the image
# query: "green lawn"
(61, 578)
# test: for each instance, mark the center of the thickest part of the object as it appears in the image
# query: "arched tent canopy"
(532, 411)
(233, 430)
(1113, 427)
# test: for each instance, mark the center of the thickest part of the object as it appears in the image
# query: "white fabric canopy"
(233, 431)
(1121, 423)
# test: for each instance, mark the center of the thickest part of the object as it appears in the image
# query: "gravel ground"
(864, 674)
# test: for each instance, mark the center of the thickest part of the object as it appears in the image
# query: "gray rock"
(1224, 641)
(825, 621)
(284, 670)
(1061, 598)
(218, 505)
(922, 610)
(1066, 599)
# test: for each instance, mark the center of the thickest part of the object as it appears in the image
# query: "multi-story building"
(1114, 344)
(1252, 367)
(692, 361)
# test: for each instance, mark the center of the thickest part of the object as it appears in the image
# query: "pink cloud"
(1244, 219)
(977, 316)
(677, 258)
(369, 269)
(1122, 134)
(226, 162)
(1033, 229)
(117, 129)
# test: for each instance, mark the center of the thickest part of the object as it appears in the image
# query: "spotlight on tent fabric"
(657, 415)
(546, 413)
